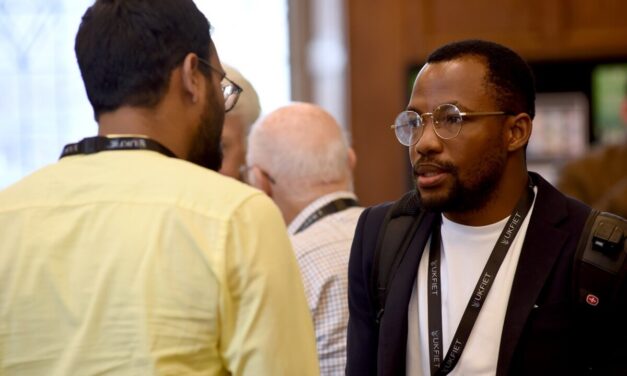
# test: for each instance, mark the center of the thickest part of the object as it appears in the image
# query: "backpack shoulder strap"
(398, 227)
(598, 279)
(601, 261)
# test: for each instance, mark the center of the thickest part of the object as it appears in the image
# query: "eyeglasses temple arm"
(483, 113)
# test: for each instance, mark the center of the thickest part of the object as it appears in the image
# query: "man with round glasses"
(483, 281)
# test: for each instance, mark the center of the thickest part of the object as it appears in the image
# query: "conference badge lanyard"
(330, 208)
(442, 366)
(97, 144)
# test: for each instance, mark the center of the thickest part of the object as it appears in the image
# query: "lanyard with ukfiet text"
(330, 208)
(97, 144)
(442, 366)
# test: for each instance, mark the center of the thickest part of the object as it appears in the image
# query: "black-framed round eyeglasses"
(230, 90)
(447, 123)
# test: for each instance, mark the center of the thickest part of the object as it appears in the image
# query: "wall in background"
(43, 104)
(388, 39)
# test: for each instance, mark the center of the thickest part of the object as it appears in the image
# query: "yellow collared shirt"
(133, 263)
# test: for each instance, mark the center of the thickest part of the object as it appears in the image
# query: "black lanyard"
(440, 366)
(96, 144)
(330, 208)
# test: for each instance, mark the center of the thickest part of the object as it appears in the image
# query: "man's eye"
(452, 119)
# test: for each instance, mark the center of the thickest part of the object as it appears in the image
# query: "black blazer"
(542, 333)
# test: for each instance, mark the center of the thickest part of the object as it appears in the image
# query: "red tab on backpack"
(592, 300)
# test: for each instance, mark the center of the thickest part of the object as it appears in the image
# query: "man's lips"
(429, 175)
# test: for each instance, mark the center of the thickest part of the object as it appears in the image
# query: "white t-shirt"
(465, 251)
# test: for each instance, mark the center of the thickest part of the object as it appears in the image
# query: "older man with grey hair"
(300, 157)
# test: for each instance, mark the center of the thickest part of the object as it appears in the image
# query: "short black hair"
(509, 75)
(127, 49)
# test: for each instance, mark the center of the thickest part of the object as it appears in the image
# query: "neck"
(146, 122)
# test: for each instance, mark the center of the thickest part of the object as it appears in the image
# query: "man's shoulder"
(371, 222)
(30, 185)
(208, 186)
(557, 214)
(328, 238)
(374, 216)
(131, 178)
(552, 199)
(197, 189)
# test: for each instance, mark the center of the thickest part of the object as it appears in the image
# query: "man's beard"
(205, 149)
(473, 193)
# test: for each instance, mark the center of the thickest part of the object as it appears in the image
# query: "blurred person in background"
(600, 178)
(237, 123)
(300, 157)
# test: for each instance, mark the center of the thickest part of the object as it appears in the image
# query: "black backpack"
(599, 269)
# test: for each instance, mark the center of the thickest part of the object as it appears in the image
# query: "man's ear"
(261, 181)
(191, 77)
(352, 159)
(518, 131)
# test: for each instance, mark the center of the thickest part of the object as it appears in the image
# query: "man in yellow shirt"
(124, 258)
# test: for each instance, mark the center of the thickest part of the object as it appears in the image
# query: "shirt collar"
(315, 205)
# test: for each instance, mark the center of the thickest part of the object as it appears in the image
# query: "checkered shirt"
(322, 251)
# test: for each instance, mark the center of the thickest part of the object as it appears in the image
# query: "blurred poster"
(609, 87)
(560, 128)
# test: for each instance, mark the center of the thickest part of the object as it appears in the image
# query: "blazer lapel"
(541, 248)
(393, 330)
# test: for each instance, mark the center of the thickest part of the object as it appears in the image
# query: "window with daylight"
(43, 104)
